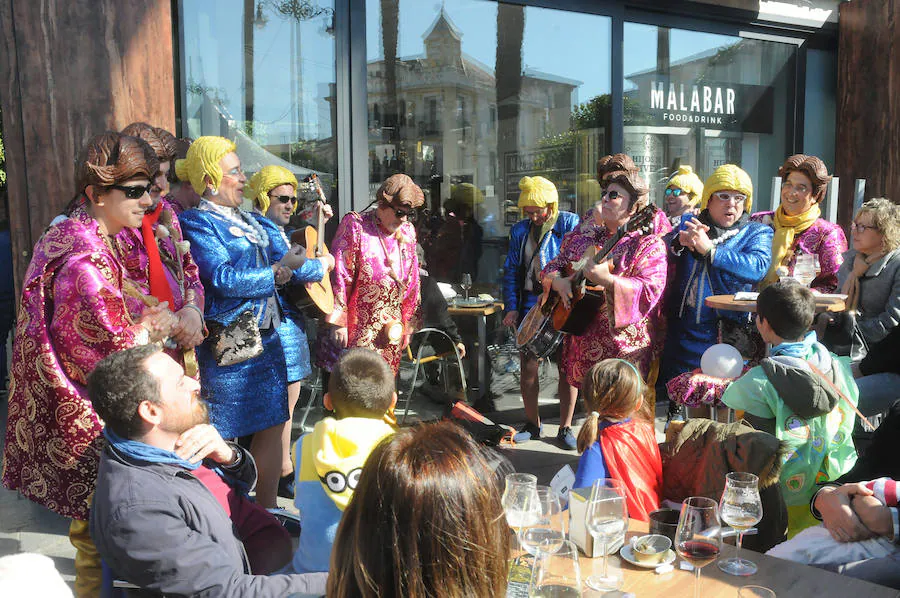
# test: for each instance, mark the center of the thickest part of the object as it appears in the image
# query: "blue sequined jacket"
(514, 271)
(235, 275)
(737, 264)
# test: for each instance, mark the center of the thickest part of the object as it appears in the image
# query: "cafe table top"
(785, 578)
(727, 302)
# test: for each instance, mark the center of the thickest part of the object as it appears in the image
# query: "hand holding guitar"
(599, 274)
(563, 288)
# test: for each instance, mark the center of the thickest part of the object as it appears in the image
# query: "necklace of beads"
(253, 230)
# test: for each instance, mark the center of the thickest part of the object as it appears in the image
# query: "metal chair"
(421, 337)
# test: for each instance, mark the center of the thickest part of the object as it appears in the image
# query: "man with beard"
(170, 511)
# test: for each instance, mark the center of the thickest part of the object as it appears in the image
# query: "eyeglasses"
(236, 171)
(133, 192)
(612, 195)
(791, 187)
(855, 226)
(735, 198)
(675, 192)
(285, 199)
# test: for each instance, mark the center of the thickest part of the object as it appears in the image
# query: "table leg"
(483, 365)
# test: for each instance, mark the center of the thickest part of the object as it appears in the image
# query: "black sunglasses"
(410, 214)
(613, 195)
(285, 199)
(133, 192)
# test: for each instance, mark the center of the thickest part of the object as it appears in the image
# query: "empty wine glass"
(606, 519)
(520, 501)
(466, 284)
(805, 268)
(556, 574)
(698, 536)
(548, 531)
(741, 508)
(755, 592)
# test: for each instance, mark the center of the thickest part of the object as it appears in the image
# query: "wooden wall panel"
(867, 144)
(72, 69)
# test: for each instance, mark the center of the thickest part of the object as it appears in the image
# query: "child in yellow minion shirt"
(330, 458)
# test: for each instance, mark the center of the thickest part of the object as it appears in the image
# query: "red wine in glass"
(698, 553)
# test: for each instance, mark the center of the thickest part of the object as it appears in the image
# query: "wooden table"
(727, 302)
(787, 579)
(482, 364)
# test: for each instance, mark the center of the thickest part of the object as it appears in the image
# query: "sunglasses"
(285, 199)
(674, 192)
(409, 214)
(612, 195)
(133, 192)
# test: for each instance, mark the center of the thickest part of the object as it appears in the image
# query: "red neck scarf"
(159, 284)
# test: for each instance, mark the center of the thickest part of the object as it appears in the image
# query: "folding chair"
(421, 337)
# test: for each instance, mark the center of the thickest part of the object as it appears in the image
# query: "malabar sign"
(729, 107)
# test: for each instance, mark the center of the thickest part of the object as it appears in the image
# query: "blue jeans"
(878, 392)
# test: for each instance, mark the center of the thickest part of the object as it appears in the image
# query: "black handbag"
(237, 342)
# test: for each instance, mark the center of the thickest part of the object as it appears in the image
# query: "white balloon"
(722, 361)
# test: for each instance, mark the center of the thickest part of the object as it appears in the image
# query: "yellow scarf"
(786, 228)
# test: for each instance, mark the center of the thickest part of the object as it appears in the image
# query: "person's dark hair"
(788, 307)
(425, 520)
(119, 383)
(811, 166)
(112, 158)
(182, 144)
(361, 384)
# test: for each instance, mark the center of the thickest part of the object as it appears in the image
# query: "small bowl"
(651, 548)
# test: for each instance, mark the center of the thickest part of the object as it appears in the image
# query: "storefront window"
(467, 108)
(262, 73)
(705, 100)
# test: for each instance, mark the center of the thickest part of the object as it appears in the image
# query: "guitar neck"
(320, 218)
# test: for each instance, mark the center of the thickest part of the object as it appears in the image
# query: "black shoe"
(286, 486)
(566, 439)
(676, 413)
(528, 432)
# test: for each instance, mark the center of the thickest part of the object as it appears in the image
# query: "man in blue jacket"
(170, 511)
(533, 242)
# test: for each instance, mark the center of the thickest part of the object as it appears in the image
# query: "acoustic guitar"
(316, 293)
(533, 334)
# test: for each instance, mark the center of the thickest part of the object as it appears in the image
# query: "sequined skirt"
(296, 348)
(249, 396)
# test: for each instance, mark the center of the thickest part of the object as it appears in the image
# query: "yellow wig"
(686, 180)
(538, 192)
(202, 161)
(725, 177)
(269, 177)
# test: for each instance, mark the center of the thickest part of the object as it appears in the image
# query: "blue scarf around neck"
(799, 349)
(140, 451)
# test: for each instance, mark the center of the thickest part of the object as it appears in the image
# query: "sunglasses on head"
(133, 192)
(285, 199)
(674, 192)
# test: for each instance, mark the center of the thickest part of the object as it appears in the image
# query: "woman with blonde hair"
(425, 520)
(77, 307)
(533, 242)
(799, 227)
(273, 192)
(242, 260)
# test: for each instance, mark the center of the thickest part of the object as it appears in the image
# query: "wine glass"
(606, 519)
(548, 531)
(698, 537)
(466, 284)
(556, 573)
(805, 268)
(520, 501)
(741, 508)
(755, 592)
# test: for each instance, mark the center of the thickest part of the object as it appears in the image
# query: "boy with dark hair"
(801, 393)
(330, 458)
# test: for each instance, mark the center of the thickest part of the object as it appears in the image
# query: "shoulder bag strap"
(842, 395)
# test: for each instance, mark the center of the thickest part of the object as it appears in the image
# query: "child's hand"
(874, 515)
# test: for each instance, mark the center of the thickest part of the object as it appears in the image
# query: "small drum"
(536, 334)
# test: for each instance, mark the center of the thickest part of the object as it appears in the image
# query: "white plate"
(627, 554)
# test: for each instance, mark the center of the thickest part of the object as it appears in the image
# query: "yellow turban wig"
(728, 176)
(538, 192)
(202, 161)
(264, 181)
(686, 180)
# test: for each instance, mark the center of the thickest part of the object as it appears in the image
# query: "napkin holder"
(578, 533)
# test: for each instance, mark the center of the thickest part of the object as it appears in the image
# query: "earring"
(214, 192)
